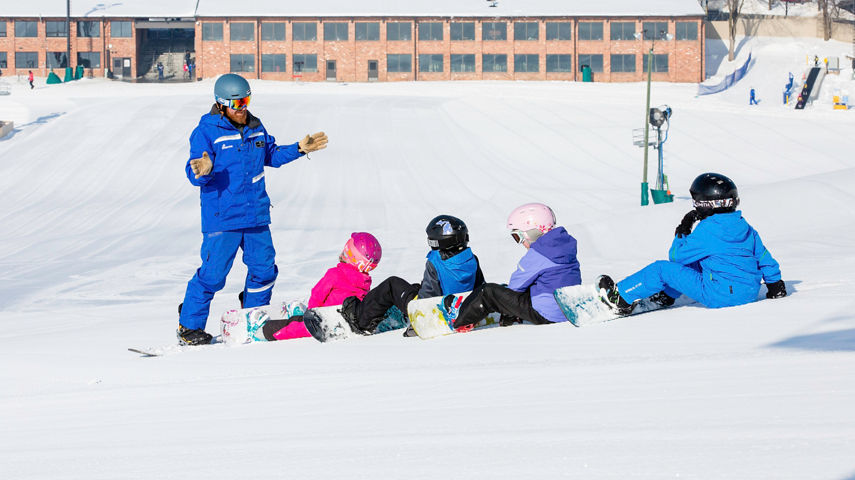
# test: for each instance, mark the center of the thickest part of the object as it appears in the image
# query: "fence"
(728, 80)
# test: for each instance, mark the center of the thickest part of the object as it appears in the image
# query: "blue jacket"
(456, 274)
(729, 253)
(233, 195)
(549, 264)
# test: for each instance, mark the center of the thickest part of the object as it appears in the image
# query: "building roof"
(350, 8)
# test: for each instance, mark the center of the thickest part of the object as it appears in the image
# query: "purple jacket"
(549, 264)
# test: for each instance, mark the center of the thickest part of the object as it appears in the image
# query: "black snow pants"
(513, 306)
(394, 291)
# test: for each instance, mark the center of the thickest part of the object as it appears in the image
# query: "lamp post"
(663, 35)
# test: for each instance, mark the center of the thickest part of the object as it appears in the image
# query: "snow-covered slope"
(101, 234)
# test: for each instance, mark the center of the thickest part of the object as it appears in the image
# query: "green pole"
(644, 198)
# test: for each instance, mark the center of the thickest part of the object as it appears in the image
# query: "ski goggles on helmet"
(235, 103)
(520, 236)
(712, 204)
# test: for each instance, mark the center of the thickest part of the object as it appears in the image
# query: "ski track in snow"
(101, 234)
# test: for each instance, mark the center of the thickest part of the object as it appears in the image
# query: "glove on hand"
(313, 142)
(776, 290)
(201, 166)
(685, 226)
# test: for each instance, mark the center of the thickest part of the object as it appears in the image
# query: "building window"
(212, 32)
(526, 31)
(367, 31)
(559, 63)
(526, 63)
(660, 63)
(590, 30)
(2, 28)
(242, 62)
(273, 62)
(26, 59)
(494, 63)
(304, 62)
(622, 31)
(26, 28)
(304, 32)
(687, 31)
(595, 62)
(56, 60)
(399, 31)
(623, 63)
(241, 32)
(494, 31)
(335, 32)
(460, 31)
(399, 63)
(654, 30)
(89, 59)
(274, 32)
(463, 63)
(3, 62)
(558, 31)
(121, 29)
(430, 31)
(431, 62)
(88, 29)
(55, 28)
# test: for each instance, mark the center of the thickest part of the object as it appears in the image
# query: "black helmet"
(714, 193)
(447, 233)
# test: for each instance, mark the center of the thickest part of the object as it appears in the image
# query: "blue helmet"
(231, 87)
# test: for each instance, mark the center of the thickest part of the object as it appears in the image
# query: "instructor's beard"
(237, 116)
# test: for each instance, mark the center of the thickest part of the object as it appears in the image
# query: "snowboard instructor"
(228, 152)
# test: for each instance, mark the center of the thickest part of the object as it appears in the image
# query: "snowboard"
(244, 325)
(327, 324)
(430, 319)
(583, 305)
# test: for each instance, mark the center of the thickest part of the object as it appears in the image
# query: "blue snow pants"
(218, 254)
(676, 279)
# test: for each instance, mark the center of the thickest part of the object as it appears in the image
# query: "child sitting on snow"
(350, 277)
(719, 264)
(549, 263)
(451, 267)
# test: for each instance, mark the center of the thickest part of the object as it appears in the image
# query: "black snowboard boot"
(662, 299)
(348, 310)
(612, 297)
(198, 336)
(240, 298)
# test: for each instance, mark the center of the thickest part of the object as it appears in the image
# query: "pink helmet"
(362, 250)
(529, 217)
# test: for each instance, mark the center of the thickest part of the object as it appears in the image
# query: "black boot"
(240, 298)
(662, 299)
(612, 297)
(348, 310)
(198, 336)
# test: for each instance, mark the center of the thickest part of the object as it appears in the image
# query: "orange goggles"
(237, 103)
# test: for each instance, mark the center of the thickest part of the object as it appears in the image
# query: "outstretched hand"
(313, 142)
(685, 226)
(201, 166)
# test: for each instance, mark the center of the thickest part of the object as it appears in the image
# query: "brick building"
(334, 40)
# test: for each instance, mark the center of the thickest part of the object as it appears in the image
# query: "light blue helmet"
(231, 87)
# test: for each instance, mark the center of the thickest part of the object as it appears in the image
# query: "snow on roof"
(351, 8)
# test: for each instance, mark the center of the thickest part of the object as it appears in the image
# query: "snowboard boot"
(662, 299)
(610, 296)
(410, 332)
(197, 336)
(240, 298)
(348, 310)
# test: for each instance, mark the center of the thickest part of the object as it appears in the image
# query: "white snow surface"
(101, 234)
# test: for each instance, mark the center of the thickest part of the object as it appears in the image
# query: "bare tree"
(829, 10)
(734, 8)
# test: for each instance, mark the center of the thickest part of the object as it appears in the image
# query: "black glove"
(776, 290)
(685, 226)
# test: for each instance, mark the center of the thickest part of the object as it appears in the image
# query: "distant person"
(30, 78)
(753, 99)
(186, 71)
(228, 152)
(192, 67)
(159, 71)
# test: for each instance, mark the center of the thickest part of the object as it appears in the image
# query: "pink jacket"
(338, 283)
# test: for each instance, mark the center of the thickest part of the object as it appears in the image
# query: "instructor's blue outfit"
(720, 264)
(235, 211)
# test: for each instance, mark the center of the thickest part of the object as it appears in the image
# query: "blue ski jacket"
(456, 274)
(549, 264)
(730, 254)
(233, 195)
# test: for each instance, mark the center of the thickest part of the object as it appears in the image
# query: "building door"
(122, 66)
(372, 70)
(126, 67)
(331, 70)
